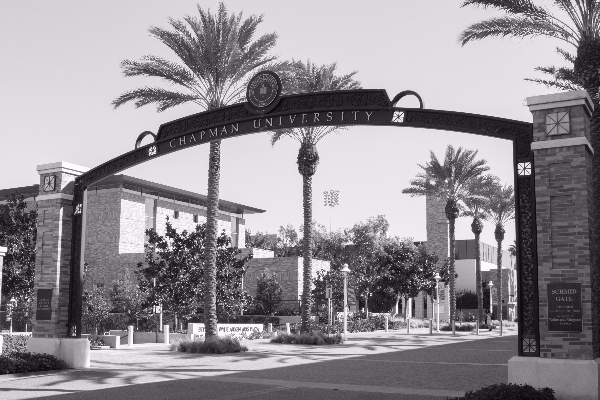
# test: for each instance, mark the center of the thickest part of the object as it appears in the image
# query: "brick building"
(119, 210)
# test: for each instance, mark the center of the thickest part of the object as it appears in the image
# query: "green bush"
(212, 345)
(315, 338)
(462, 328)
(509, 391)
(29, 362)
(14, 344)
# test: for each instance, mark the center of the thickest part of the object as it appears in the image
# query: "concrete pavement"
(376, 365)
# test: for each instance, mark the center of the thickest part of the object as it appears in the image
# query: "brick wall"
(288, 271)
(437, 227)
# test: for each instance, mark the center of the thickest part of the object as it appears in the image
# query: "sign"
(442, 292)
(328, 292)
(198, 329)
(564, 307)
(262, 91)
(44, 305)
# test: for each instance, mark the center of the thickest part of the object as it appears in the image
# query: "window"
(195, 218)
(176, 214)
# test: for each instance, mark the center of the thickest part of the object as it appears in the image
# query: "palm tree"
(576, 23)
(475, 205)
(501, 210)
(217, 55)
(310, 77)
(450, 180)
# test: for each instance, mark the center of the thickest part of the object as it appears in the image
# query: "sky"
(60, 71)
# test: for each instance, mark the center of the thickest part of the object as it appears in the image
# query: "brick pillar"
(2, 253)
(563, 179)
(53, 247)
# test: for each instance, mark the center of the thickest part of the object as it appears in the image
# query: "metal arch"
(405, 93)
(351, 107)
(138, 141)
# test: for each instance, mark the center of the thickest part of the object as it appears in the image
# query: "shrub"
(29, 362)
(14, 344)
(96, 342)
(315, 338)
(463, 328)
(212, 345)
(509, 391)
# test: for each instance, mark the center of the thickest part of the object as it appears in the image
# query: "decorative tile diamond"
(78, 208)
(529, 345)
(524, 168)
(557, 123)
(152, 151)
(398, 117)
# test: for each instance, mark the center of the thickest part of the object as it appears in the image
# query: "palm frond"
(501, 208)
(515, 26)
(509, 6)
(163, 98)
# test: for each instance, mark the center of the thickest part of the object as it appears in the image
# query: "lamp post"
(490, 285)
(332, 199)
(345, 271)
(13, 304)
(437, 299)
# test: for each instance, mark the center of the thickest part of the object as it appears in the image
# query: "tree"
(407, 269)
(501, 211)
(475, 205)
(269, 293)
(217, 55)
(96, 308)
(367, 239)
(311, 78)
(127, 298)
(452, 181)
(576, 23)
(334, 279)
(173, 275)
(466, 299)
(18, 233)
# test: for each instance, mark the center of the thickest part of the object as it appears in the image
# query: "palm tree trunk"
(210, 242)
(306, 255)
(499, 237)
(595, 231)
(476, 228)
(451, 229)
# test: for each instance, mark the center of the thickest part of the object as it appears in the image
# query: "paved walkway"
(375, 365)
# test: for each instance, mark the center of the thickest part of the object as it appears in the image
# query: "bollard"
(453, 327)
(407, 325)
(477, 326)
(287, 328)
(386, 323)
(130, 335)
(270, 327)
(430, 326)
(166, 334)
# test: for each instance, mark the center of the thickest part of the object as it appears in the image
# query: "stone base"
(570, 379)
(75, 352)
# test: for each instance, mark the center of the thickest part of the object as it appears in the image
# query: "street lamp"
(437, 298)
(13, 304)
(490, 285)
(345, 271)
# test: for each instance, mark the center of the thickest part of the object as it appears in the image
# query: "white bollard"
(453, 327)
(270, 327)
(407, 325)
(430, 326)
(130, 335)
(386, 323)
(287, 328)
(166, 334)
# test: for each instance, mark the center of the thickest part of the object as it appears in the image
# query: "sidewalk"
(377, 365)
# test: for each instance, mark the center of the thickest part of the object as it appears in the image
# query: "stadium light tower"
(332, 199)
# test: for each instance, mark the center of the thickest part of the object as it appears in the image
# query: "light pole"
(345, 271)
(437, 298)
(490, 285)
(332, 199)
(13, 304)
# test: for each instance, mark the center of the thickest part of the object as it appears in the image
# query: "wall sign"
(564, 307)
(44, 305)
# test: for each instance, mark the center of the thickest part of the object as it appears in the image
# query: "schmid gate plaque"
(564, 307)
(44, 305)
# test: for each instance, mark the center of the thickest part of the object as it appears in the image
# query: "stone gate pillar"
(52, 262)
(562, 162)
(52, 266)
